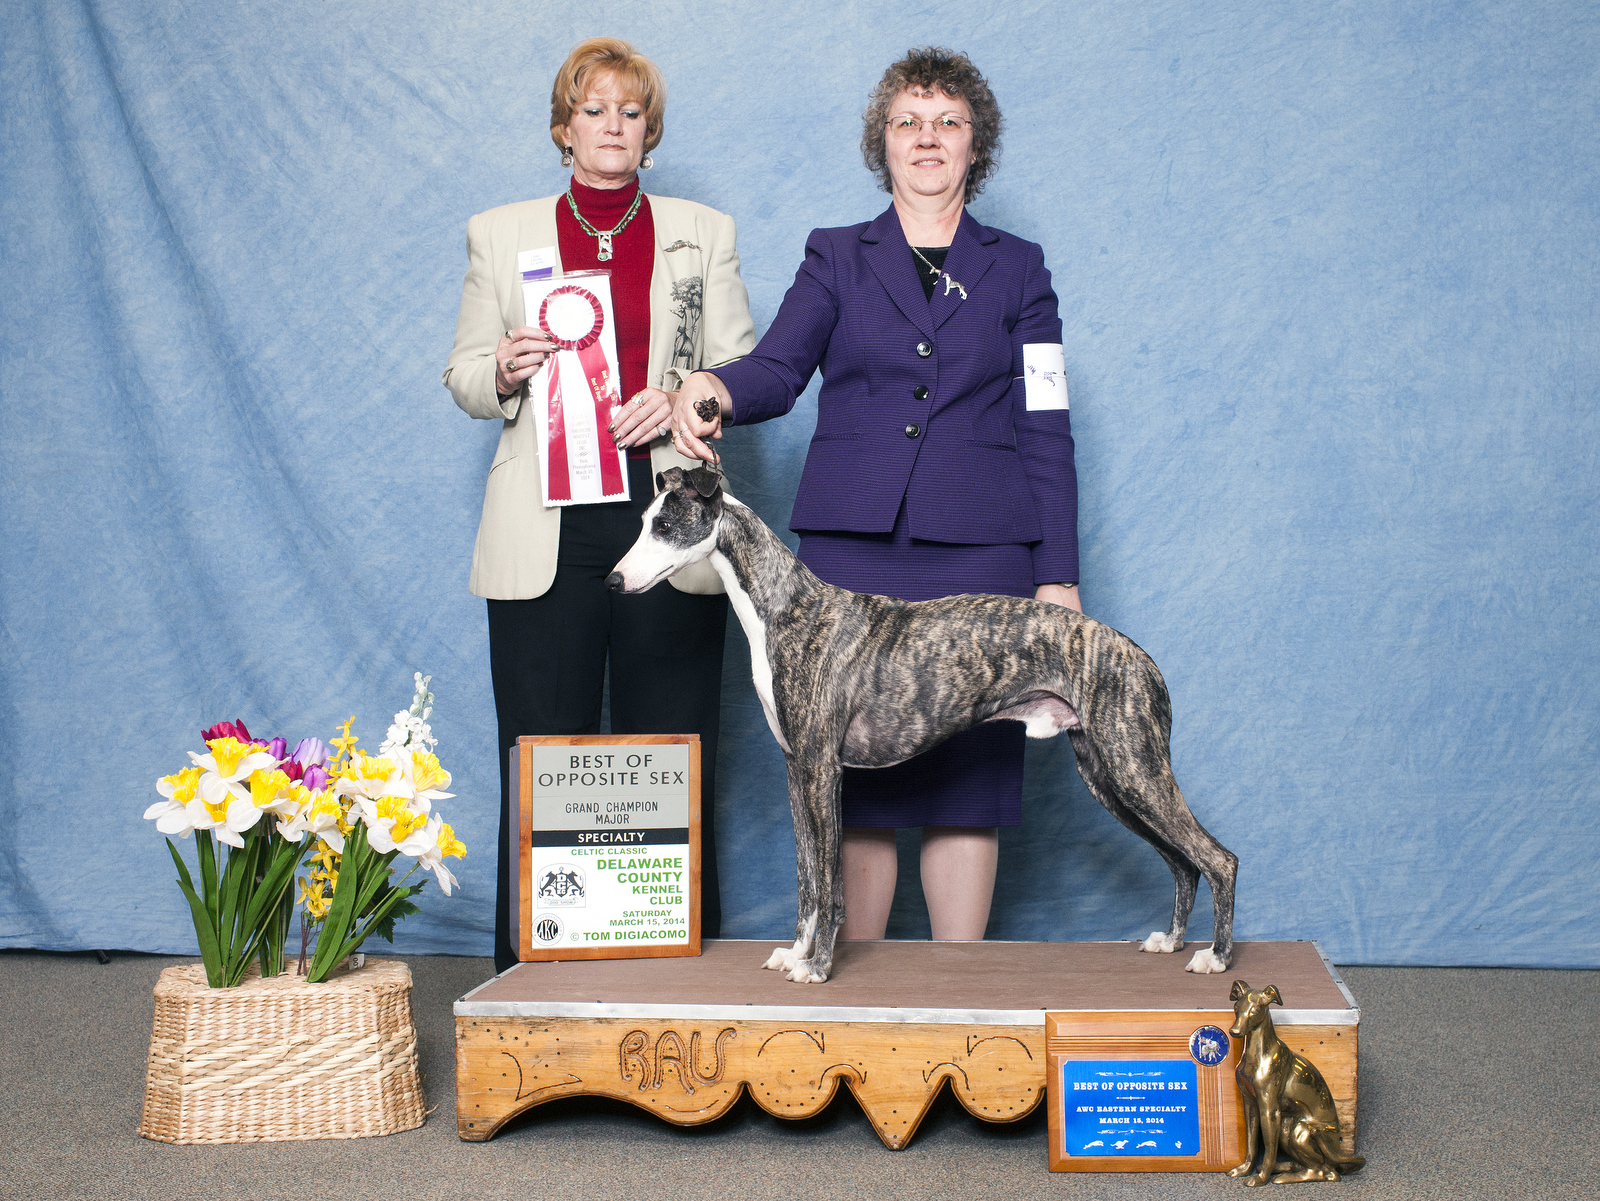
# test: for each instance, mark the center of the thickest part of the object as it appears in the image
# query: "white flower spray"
(410, 730)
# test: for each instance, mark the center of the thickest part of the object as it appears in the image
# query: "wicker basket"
(281, 1060)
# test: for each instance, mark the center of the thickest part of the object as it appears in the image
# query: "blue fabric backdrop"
(1328, 277)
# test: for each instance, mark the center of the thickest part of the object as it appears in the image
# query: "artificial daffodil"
(224, 803)
(319, 813)
(172, 814)
(229, 762)
(208, 806)
(426, 776)
(271, 791)
(445, 843)
(392, 825)
(366, 777)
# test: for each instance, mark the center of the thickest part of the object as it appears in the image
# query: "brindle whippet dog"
(848, 680)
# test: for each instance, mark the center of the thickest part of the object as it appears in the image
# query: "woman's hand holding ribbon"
(521, 352)
(642, 418)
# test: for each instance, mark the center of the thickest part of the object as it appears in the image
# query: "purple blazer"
(922, 402)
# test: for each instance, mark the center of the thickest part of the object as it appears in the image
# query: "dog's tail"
(1328, 1139)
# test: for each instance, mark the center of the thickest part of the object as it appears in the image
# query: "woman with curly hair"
(943, 457)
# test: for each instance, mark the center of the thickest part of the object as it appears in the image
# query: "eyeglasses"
(944, 123)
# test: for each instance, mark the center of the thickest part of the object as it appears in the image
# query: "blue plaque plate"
(1130, 1107)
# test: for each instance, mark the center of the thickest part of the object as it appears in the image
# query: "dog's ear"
(703, 483)
(1240, 988)
(661, 482)
(1271, 995)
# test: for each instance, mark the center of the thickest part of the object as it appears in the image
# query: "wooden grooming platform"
(683, 1037)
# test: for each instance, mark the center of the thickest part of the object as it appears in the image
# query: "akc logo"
(547, 929)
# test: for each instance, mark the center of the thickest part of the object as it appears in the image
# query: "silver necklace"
(605, 235)
(949, 280)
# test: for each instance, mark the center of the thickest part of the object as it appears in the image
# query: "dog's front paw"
(1206, 962)
(781, 960)
(1161, 943)
(807, 972)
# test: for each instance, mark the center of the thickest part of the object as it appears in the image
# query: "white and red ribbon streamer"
(597, 375)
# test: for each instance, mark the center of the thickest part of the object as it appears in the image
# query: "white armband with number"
(1044, 375)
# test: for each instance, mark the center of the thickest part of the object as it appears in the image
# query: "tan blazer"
(515, 555)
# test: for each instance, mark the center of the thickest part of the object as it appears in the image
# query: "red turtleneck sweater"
(631, 266)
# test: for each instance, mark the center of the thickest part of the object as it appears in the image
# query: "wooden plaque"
(1143, 1091)
(607, 835)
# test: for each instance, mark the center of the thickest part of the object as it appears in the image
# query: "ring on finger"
(662, 430)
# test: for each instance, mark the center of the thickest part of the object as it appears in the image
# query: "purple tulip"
(315, 778)
(278, 748)
(227, 729)
(309, 752)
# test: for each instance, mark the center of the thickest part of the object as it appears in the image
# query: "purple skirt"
(975, 778)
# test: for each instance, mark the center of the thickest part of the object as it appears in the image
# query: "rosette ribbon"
(597, 374)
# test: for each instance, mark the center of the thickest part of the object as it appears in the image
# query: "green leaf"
(233, 872)
(275, 880)
(341, 914)
(377, 879)
(385, 913)
(210, 953)
(383, 927)
(257, 922)
(206, 845)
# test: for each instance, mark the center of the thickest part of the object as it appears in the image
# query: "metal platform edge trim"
(1337, 978)
(465, 1008)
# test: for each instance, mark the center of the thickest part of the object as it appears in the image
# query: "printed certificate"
(575, 391)
(606, 831)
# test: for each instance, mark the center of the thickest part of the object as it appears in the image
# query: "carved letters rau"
(668, 1052)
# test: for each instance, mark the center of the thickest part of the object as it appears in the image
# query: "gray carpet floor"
(1474, 1083)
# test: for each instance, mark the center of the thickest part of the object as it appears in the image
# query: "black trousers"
(548, 659)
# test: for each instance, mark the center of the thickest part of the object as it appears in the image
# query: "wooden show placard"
(1143, 1091)
(607, 835)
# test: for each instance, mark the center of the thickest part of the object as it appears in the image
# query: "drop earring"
(645, 164)
(566, 156)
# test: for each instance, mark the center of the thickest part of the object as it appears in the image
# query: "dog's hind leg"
(1140, 781)
(814, 805)
(1185, 877)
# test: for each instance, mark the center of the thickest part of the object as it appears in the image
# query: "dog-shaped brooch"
(848, 680)
(1287, 1106)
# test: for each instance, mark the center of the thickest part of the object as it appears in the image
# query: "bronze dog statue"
(1287, 1105)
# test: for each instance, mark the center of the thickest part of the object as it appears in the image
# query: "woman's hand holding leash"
(643, 417)
(697, 415)
(521, 352)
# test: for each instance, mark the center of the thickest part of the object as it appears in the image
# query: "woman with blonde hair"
(679, 305)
